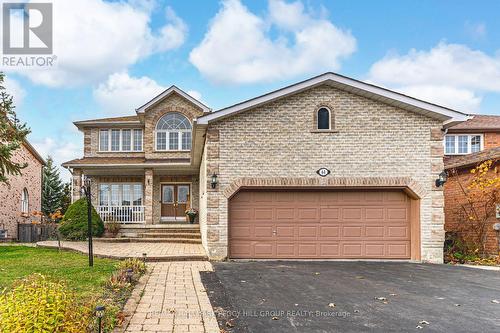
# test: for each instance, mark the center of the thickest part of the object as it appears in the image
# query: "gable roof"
(482, 123)
(456, 162)
(33, 152)
(168, 92)
(387, 96)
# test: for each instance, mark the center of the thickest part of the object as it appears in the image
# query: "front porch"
(150, 198)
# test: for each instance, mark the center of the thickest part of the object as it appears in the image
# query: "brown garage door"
(319, 224)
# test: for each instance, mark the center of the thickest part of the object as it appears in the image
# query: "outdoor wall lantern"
(443, 177)
(213, 182)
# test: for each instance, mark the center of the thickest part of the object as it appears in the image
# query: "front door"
(174, 201)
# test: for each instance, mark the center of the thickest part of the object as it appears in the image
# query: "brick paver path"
(156, 251)
(174, 300)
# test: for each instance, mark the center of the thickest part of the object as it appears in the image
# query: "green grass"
(19, 261)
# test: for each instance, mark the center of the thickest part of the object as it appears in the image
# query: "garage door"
(319, 224)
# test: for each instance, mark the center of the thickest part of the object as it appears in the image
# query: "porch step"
(173, 231)
(149, 240)
(191, 235)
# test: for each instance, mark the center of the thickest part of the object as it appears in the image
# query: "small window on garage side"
(323, 119)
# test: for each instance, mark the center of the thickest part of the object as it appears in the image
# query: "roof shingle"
(478, 123)
(453, 162)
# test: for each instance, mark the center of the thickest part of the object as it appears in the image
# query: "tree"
(12, 135)
(66, 197)
(477, 207)
(52, 188)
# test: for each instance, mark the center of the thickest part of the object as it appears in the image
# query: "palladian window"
(173, 132)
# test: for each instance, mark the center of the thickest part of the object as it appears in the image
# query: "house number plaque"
(323, 172)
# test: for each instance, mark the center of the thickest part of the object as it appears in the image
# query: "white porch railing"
(121, 214)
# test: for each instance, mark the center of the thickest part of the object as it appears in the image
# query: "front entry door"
(174, 201)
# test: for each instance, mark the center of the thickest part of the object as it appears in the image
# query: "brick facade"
(454, 197)
(10, 195)
(491, 140)
(372, 139)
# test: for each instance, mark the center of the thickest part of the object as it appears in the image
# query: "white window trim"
(120, 150)
(469, 146)
(329, 119)
(25, 201)
(167, 146)
(121, 193)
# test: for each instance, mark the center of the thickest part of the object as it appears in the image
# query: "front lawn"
(19, 261)
(58, 292)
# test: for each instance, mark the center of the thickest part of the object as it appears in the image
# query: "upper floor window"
(461, 144)
(323, 119)
(120, 140)
(173, 132)
(25, 201)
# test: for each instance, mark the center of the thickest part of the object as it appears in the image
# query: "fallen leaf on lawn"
(381, 298)
(316, 273)
(495, 301)
(423, 322)
(331, 305)
(274, 318)
(419, 327)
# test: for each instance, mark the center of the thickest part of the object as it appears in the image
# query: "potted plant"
(191, 213)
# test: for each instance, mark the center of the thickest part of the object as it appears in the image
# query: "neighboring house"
(22, 196)
(330, 167)
(467, 145)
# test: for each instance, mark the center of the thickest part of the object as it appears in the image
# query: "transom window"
(173, 132)
(120, 140)
(323, 119)
(462, 144)
(120, 194)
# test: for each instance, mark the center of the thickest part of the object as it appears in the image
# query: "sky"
(113, 56)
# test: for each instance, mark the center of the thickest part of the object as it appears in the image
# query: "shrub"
(137, 266)
(74, 222)
(36, 304)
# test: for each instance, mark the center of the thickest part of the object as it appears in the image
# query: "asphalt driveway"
(353, 297)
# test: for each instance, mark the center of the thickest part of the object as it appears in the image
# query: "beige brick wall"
(10, 195)
(371, 140)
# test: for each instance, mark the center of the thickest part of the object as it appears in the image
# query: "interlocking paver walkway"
(154, 251)
(174, 300)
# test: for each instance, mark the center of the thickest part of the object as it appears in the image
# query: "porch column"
(77, 185)
(148, 195)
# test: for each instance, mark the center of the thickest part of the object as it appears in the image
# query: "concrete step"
(169, 235)
(149, 240)
(171, 230)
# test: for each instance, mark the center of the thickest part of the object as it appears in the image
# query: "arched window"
(173, 132)
(25, 201)
(323, 119)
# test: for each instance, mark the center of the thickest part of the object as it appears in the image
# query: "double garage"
(324, 224)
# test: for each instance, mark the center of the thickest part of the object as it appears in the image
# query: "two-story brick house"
(468, 144)
(330, 167)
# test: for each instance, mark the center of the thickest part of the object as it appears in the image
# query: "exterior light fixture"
(99, 313)
(130, 273)
(443, 177)
(144, 256)
(213, 182)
